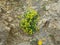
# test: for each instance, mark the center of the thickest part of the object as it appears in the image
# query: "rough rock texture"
(49, 22)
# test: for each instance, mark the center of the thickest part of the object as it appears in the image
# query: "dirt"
(49, 23)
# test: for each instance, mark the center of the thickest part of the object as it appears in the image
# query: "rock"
(7, 29)
(43, 22)
(45, 0)
(5, 22)
(24, 43)
(47, 7)
(9, 19)
(3, 34)
(55, 24)
(12, 25)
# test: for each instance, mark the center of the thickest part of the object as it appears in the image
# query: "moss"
(29, 22)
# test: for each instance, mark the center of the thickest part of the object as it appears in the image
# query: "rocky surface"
(49, 23)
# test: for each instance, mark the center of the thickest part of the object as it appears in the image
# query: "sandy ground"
(49, 23)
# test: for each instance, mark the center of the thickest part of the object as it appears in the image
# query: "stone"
(3, 34)
(12, 25)
(45, 0)
(9, 19)
(47, 7)
(7, 28)
(5, 22)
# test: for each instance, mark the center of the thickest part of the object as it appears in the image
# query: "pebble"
(47, 7)
(7, 28)
(8, 11)
(6, 23)
(52, 25)
(45, 0)
(12, 25)
(9, 19)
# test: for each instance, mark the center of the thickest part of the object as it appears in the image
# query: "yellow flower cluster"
(29, 21)
(31, 13)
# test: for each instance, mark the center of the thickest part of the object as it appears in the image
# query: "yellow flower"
(40, 42)
(30, 32)
(26, 30)
(27, 16)
(28, 21)
(27, 24)
(34, 12)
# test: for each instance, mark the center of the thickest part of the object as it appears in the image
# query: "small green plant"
(28, 22)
